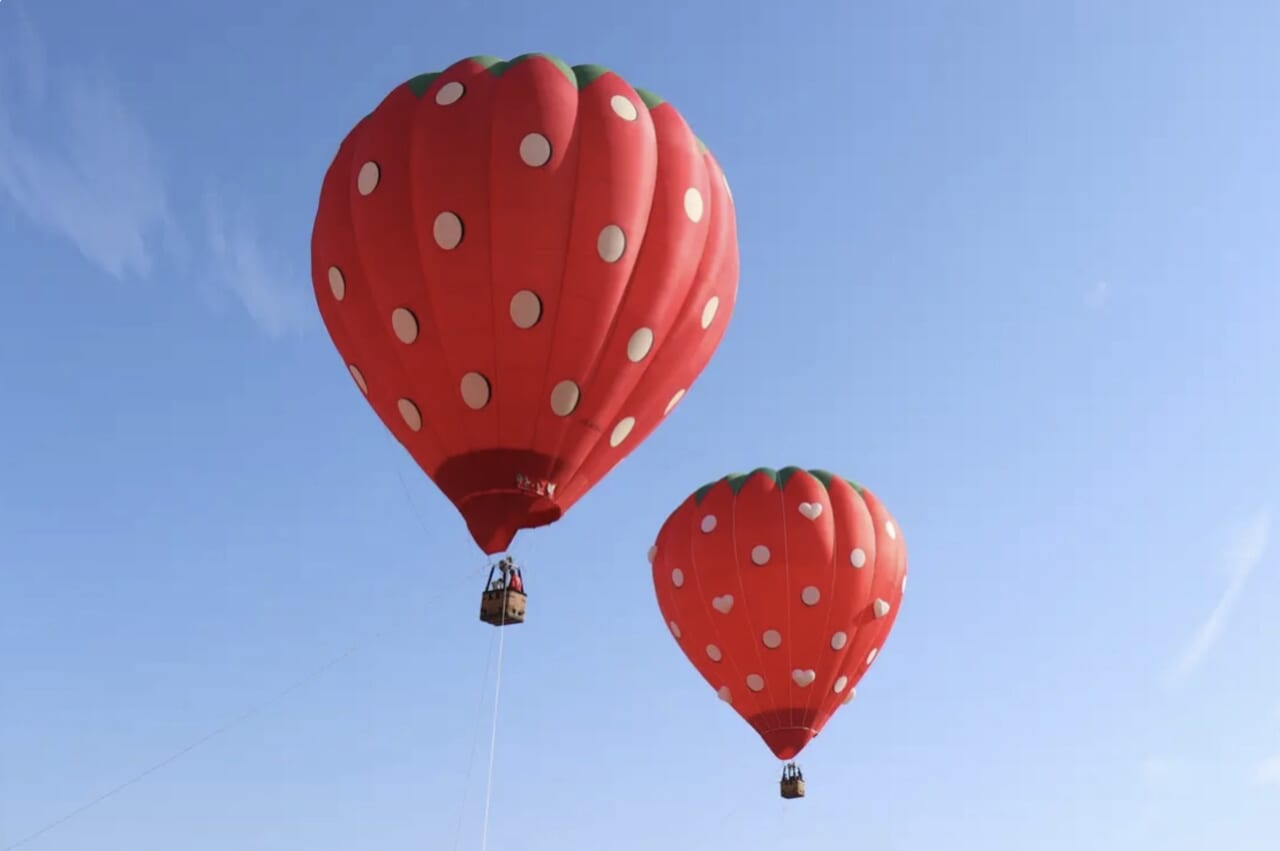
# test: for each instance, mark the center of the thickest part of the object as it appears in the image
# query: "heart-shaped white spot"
(811, 510)
(722, 604)
(724, 694)
(803, 678)
(653, 553)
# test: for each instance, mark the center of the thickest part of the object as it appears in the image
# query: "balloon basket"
(792, 783)
(502, 607)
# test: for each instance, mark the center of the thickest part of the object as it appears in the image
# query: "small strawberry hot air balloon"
(781, 586)
(524, 267)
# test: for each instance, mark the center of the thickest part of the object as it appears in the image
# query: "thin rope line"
(418, 515)
(493, 736)
(174, 757)
(253, 711)
(226, 727)
(475, 743)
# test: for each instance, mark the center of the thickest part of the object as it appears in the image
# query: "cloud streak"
(1159, 778)
(1267, 772)
(1244, 552)
(251, 273)
(93, 177)
(94, 180)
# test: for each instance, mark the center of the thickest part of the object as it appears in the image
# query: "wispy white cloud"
(93, 177)
(1246, 547)
(1098, 295)
(263, 284)
(1158, 778)
(1267, 772)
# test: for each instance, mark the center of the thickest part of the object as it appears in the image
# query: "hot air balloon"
(781, 586)
(524, 267)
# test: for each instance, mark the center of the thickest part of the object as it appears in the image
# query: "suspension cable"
(493, 736)
(475, 744)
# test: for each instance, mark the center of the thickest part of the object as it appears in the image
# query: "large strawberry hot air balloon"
(781, 586)
(524, 267)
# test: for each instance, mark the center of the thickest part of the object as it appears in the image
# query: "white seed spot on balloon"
(410, 414)
(337, 283)
(621, 430)
(693, 204)
(611, 244)
(447, 230)
(450, 93)
(475, 390)
(640, 344)
(564, 398)
(623, 108)
(525, 309)
(404, 324)
(358, 377)
(709, 311)
(535, 150)
(367, 179)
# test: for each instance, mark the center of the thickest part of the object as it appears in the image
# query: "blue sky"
(1013, 266)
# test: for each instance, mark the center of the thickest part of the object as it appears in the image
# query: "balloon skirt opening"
(499, 492)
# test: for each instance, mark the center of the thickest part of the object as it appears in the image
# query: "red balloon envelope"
(524, 266)
(781, 587)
